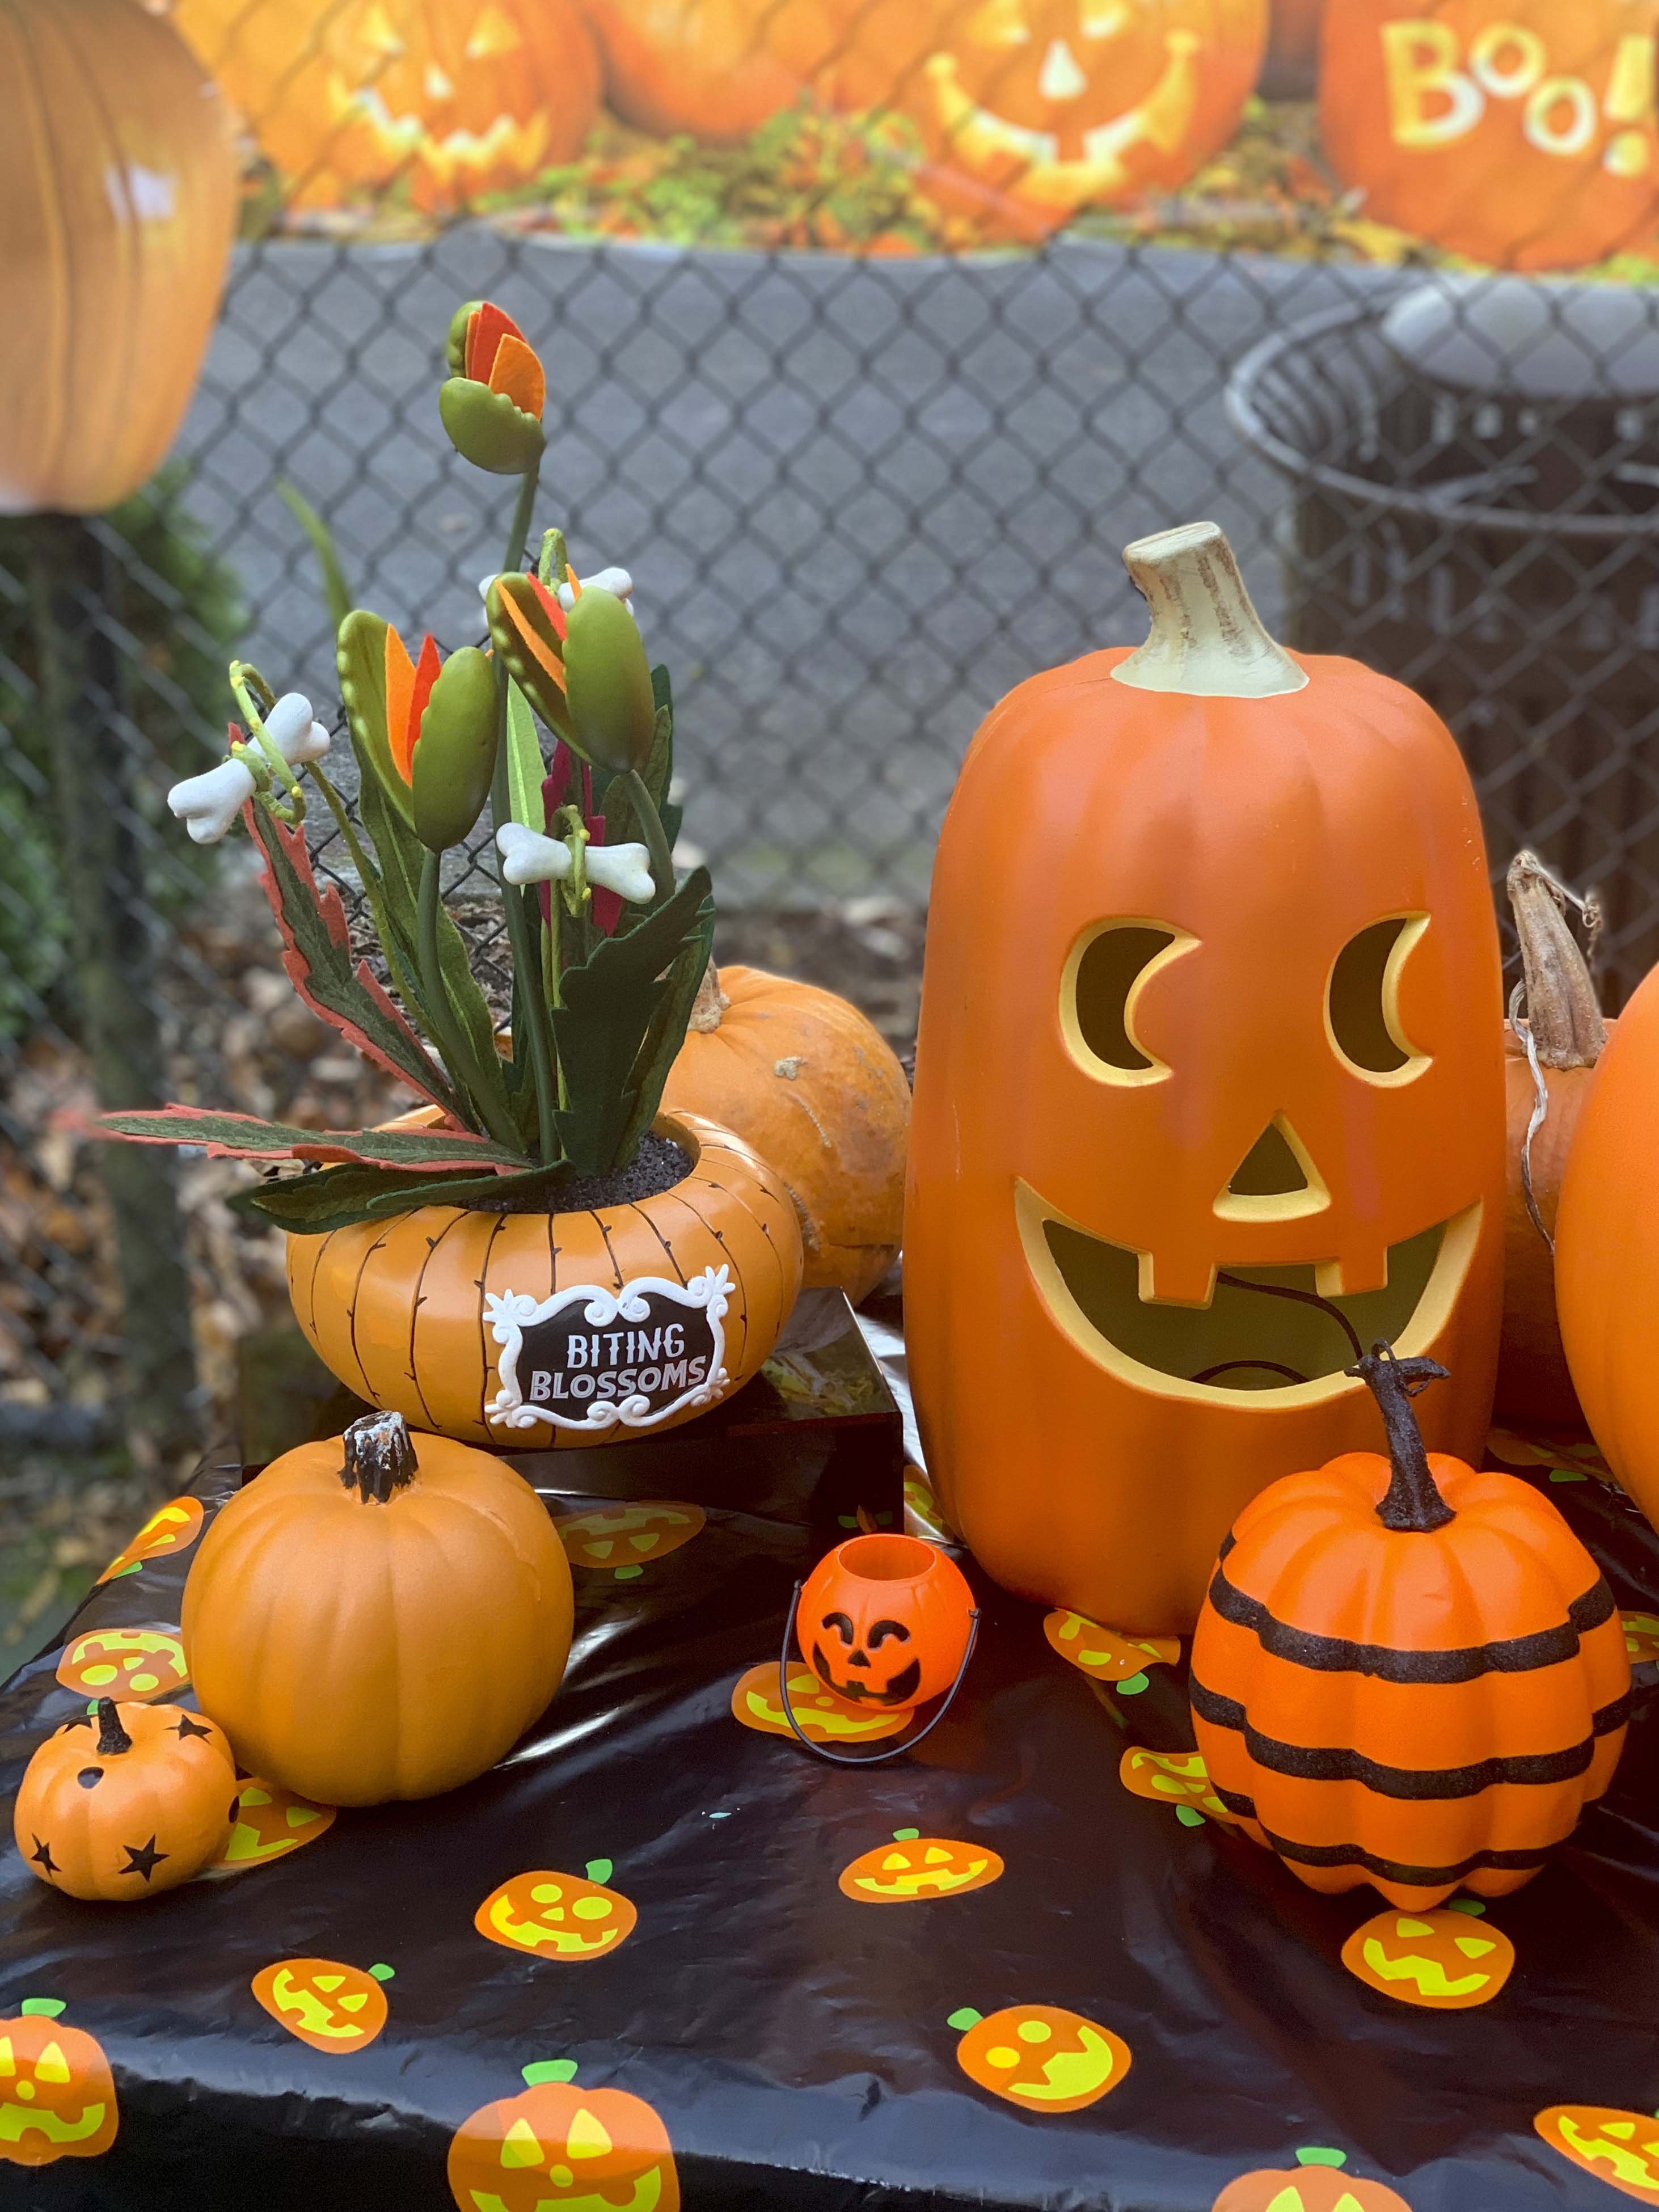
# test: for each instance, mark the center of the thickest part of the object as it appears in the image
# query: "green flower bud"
(488, 429)
(613, 712)
(454, 755)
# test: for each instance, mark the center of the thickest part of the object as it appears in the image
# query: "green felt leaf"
(622, 825)
(599, 1870)
(609, 1030)
(359, 660)
(1314, 2156)
(526, 768)
(1189, 1817)
(245, 1137)
(42, 2007)
(312, 1205)
(672, 1012)
(383, 1973)
(906, 1835)
(964, 2018)
(486, 428)
(550, 2069)
(336, 590)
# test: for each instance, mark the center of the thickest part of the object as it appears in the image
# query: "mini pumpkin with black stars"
(125, 1800)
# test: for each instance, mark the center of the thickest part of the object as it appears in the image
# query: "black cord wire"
(1303, 1298)
(1268, 1366)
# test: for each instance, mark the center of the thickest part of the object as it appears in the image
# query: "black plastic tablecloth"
(796, 2044)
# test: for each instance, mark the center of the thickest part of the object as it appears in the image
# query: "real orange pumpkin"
(453, 98)
(814, 1088)
(418, 1314)
(1558, 1010)
(715, 69)
(379, 1616)
(1606, 1251)
(117, 177)
(1518, 132)
(1407, 1673)
(57, 2101)
(1210, 1026)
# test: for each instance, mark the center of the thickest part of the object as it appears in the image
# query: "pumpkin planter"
(126, 1800)
(1568, 1036)
(1518, 132)
(379, 1616)
(57, 2096)
(557, 1329)
(1606, 1251)
(1210, 1031)
(814, 1088)
(1407, 1673)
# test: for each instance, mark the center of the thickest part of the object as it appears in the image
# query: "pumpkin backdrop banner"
(1523, 134)
(636, 1966)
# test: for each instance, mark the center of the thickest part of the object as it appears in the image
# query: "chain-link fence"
(860, 498)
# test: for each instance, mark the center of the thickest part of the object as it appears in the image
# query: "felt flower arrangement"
(563, 730)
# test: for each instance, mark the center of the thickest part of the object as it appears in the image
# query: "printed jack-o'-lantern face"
(558, 1916)
(1318, 2183)
(1641, 1638)
(1241, 1055)
(884, 1620)
(130, 1663)
(1446, 1959)
(1173, 1777)
(561, 2148)
(1040, 2058)
(171, 1528)
(621, 1539)
(271, 1823)
(1106, 1656)
(57, 2092)
(334, 2007)
(1621, 2148)
(822, 1716)
(914, 1866)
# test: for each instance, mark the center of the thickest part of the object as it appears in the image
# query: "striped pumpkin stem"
(380, 1457)
(1412, 1502)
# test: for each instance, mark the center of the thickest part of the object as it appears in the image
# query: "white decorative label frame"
(512, 1315)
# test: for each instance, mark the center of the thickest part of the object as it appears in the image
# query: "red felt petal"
(485, 333)
(426, 675)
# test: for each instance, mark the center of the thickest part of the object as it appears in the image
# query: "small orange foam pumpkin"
(1040, 2058)
(914, 1867)
(561, 1916)
(1518, 132)
(125, 1802)
(379, 1616)
(58, 2094)
(884, 1620)
(1319, 2182)
(821, 1715)
(337, 2008)
(556, 2144)
(1495, 1681)
(1618, 2148)
(815, 1088)
(1446, 1960)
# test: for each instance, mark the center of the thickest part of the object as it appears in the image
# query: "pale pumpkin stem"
(1561, 1008)
(1207, 641)
(380, 1457)
(1412, 1502)
(112, 1738)
(711, 1002)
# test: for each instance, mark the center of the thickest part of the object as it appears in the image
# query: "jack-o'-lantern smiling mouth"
(1268, 1335)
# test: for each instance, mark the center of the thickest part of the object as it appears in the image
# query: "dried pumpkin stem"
(380, 1457)
(1561, 1011)
(711, 1002)
(112, 1738)
(1207, 641)
(1412, 1502)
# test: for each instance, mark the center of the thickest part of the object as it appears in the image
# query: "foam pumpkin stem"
(1226, 1106)
(1495, 1684)
(126, 1800)
(1564, 1025)
(379, 1616)
(815, 1088)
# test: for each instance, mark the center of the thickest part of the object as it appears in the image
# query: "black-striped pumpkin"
(1408, 1672)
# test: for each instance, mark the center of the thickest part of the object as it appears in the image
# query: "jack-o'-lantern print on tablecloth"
(271, 1823)
(822, 1717)
(566, 1918)
(57, 2092)
(623, 1540)
(171, 1528)
(1105, 1655)
(1641, 1638)
(335, 2008)
(1447, 1960)
(136, 1665)
(1040, 2056)
(560, 2147)
(1320, 2181)
(1177, 1778)
(914, 1867)
(1619, 2148)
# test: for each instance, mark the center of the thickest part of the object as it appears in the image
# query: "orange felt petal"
(517, 371)
(399, 693)
(538, 652)
(485, 333)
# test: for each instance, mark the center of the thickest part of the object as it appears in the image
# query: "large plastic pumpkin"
(117, 181)
(379, 1616)
(1210, 1029)
(455, 98)
(1518, 132)
(1606, 1251)
(715, 69)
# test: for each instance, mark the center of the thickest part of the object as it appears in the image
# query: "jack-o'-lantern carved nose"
(1276, 1180)
(1061, 77)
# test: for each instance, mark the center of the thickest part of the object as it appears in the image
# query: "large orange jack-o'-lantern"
(1516, 131)
(1209, 1043)
(454, 97)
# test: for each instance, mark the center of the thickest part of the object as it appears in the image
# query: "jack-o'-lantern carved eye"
(883, 1629)
(1361, 1001)
(999, 23)
(495, 32)
(1108, 967)
(841, 1624)
(378, 34)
